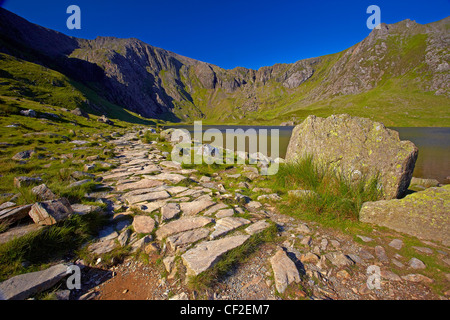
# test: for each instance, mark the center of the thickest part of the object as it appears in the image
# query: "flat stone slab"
(102, 247)
(118, 175)
(214, 209)
(142, 184)
(195, 207)
(176, 190)
(171, 177)
(151, 196)
(139, 244)
(7, 205)
(285, 271)
(171, 165)
(51, 211)
(396, 244)
(82, 209)
(187, 237)
(18, 232)
(143, 224)
(151, 206)
(257, 227)
(181, 225)
(23, 286)
(206, 254)
(423, 214)
(224, 213)
(13, 214)
(170, 211)
(191, 193)
(225, 225)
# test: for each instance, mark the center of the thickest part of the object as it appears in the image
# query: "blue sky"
(246, 33)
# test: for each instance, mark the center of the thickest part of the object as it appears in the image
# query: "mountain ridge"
(157, 83)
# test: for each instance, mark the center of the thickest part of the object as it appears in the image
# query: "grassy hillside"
(27, 81)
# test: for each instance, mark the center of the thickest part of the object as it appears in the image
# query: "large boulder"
(424, 214)
(356, 147)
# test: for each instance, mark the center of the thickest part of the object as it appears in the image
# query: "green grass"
(335, 198)
(232, 258)
(48, 244)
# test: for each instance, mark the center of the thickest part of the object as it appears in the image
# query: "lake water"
(433, 143)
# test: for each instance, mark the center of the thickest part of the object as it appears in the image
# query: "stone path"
(189, 223)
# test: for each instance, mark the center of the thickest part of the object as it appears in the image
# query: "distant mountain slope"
(405, 64)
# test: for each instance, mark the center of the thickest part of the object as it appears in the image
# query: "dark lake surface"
(433, 143)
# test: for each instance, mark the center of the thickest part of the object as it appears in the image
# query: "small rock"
(253, 205)
(28, 113)
(104, 119)
(423, 250)
(124, 237)
(271, 197)
(306, 241)
(43, 193)
(309, 257)
(21, 181)
(390, 275)
(303, 229)
(364, 238)
(343, 274)
(205, 179)
(396, 244)
(323, 244)
(169, 263)
(398, 263)
(366, 255)
(181, 296)
(339, 259)
(416, 264)
(139, 244)
(89, 167)
(257, 227)
(143, 224)
(285, 271)
(152, 247)
(381, 254)
(418, 278)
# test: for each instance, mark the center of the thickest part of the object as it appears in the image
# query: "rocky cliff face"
(157, 83)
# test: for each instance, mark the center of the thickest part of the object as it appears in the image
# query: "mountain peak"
(158, 83)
